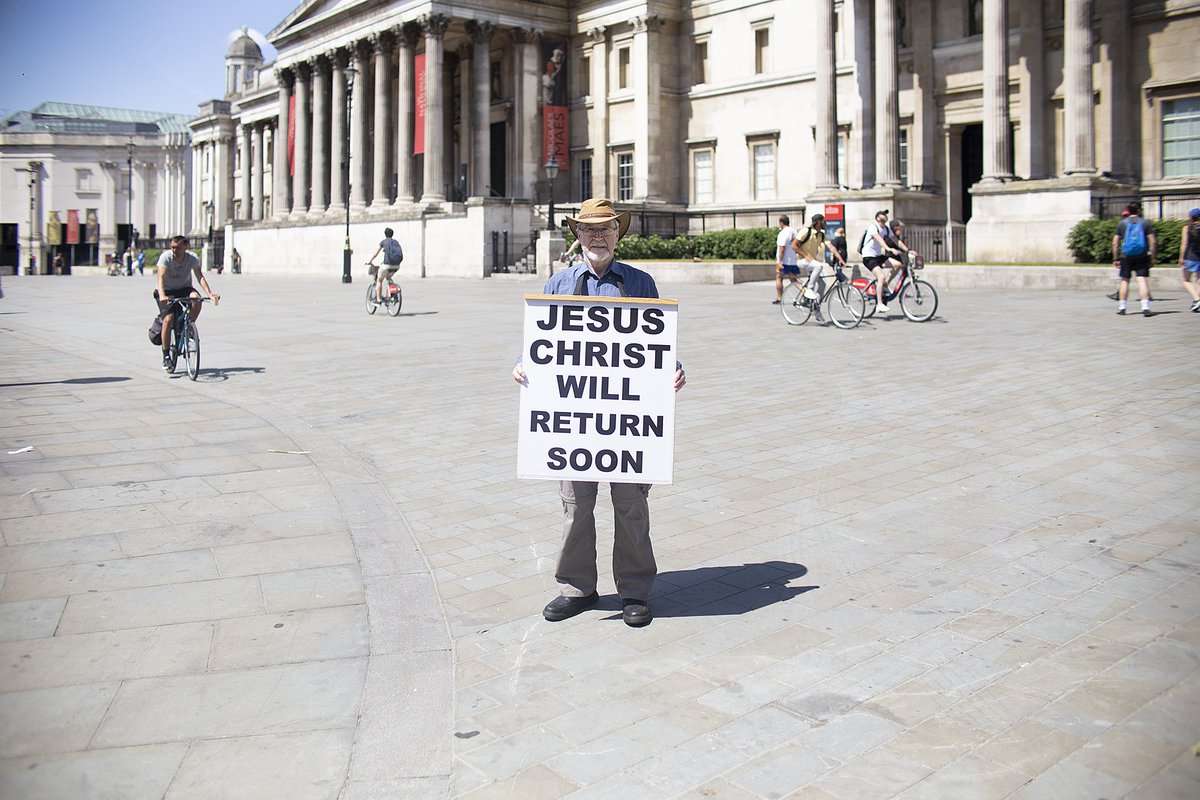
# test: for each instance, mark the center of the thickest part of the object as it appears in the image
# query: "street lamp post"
(129, 217)
(350, 72)
(551, 168)
(34, 168)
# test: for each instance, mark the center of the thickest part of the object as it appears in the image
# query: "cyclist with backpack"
(881, 256)
(1134, 246)
(393, 254)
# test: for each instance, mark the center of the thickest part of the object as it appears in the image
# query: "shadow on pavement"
(720, 591)
(73, 381)
(223, 373)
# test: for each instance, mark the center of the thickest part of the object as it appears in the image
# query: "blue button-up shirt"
(637, 283)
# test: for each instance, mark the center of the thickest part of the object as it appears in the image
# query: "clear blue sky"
(155, 56)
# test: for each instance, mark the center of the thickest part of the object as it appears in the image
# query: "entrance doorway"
(970, 165)
(499, 158)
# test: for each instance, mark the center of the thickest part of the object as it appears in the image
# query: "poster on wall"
(53, 229)
(92, 227)
(72, 226)
(554, 101)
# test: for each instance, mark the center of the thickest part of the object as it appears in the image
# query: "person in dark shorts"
(1134, 247)
(1189, 257)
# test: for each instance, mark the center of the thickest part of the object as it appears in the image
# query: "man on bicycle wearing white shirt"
(175, 270)
(879, 252)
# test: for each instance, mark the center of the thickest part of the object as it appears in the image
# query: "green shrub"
(731, 245)
(1090, 240)
(152, 258)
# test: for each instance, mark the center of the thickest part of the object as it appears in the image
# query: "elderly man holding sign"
(597, 363)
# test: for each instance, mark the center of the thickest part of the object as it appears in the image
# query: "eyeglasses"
(594, 231)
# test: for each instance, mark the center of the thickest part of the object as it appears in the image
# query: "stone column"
(921, 154)
(466, 119)
(434, 26)
(1031, 155)
(222, 170)
(279, 201)
(256, 182)
(1079, 145)
(997, 162)
(247, 148)
(337, 132)
(300, 185)
(647, 101)
(826, 169)
(887, 109)
(358, 127)
(861, 170)
(526, 130)
(481, 107)
(320, 139)
(406, 38)
(598, 129)
(193, 218)
(381, 43)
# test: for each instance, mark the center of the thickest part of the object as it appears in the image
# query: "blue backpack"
(1134, 242)
(392, 253)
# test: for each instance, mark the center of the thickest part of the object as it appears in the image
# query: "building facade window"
(904, 157)
(585, 179)
(762, 50)
(975, 17)
(1181, 137)
(763, 154)
(625, 176)
(702, 176)
(585, 76)
(843, 149)
(84, 181)
(623, 68)
(700, 62)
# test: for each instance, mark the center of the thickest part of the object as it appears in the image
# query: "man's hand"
(518, 374)
(680, 379)
(215, 297)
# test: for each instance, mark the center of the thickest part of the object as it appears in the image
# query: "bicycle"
(918, 298)
(392, 301)
(184, 330)
(845, 304)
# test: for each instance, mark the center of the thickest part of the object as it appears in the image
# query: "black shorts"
(174, 294)
(871, 262)
(1135, 265)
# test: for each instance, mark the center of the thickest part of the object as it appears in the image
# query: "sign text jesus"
(600, 403)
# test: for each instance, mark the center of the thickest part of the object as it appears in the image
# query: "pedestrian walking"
(1134, 246)
(1189, 257)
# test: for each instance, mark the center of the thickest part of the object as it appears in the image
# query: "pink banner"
(554, 135)
(72, 226)
(292, 135)
(419, 123)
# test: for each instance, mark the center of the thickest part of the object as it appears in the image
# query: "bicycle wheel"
(191, 350)
(918, 301)
(395, 301)
(796, 310)
(372, 305)
(868, 289)
(845, 305)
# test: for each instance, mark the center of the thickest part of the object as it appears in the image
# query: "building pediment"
(313, 14)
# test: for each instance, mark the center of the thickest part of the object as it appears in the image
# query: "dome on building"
(244, 47)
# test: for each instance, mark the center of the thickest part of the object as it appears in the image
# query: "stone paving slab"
(917, 561)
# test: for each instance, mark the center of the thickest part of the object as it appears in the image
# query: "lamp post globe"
(350, 73)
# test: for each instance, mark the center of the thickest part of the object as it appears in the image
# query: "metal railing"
(1163, 205)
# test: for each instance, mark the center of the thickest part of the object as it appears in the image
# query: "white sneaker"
(809, 293)
(882, 307)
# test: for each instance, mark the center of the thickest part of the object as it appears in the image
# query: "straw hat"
(598, 210)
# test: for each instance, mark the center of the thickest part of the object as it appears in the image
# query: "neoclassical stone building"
(990, 126)
(77, 180)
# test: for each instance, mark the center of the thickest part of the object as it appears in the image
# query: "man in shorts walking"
(785, 257)
(1134, 246)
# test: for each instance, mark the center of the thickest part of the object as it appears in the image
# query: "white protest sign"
(600, 401)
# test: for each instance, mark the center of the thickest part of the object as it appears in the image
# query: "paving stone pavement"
(953, 559)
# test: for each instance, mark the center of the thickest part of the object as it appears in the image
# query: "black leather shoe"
(561, 608)
(636, 613)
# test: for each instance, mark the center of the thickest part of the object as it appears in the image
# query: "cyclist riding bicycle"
(811, 247)
(393, 254)
(175, 270)
(881, 255)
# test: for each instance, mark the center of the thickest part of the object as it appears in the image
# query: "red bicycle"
(918, 298)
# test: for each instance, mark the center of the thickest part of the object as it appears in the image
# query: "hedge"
(1090, 241)
(755, 244)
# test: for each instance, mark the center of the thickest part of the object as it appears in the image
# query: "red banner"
(292, 135)
(419, 123)
(554, 135)
(72, 226)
